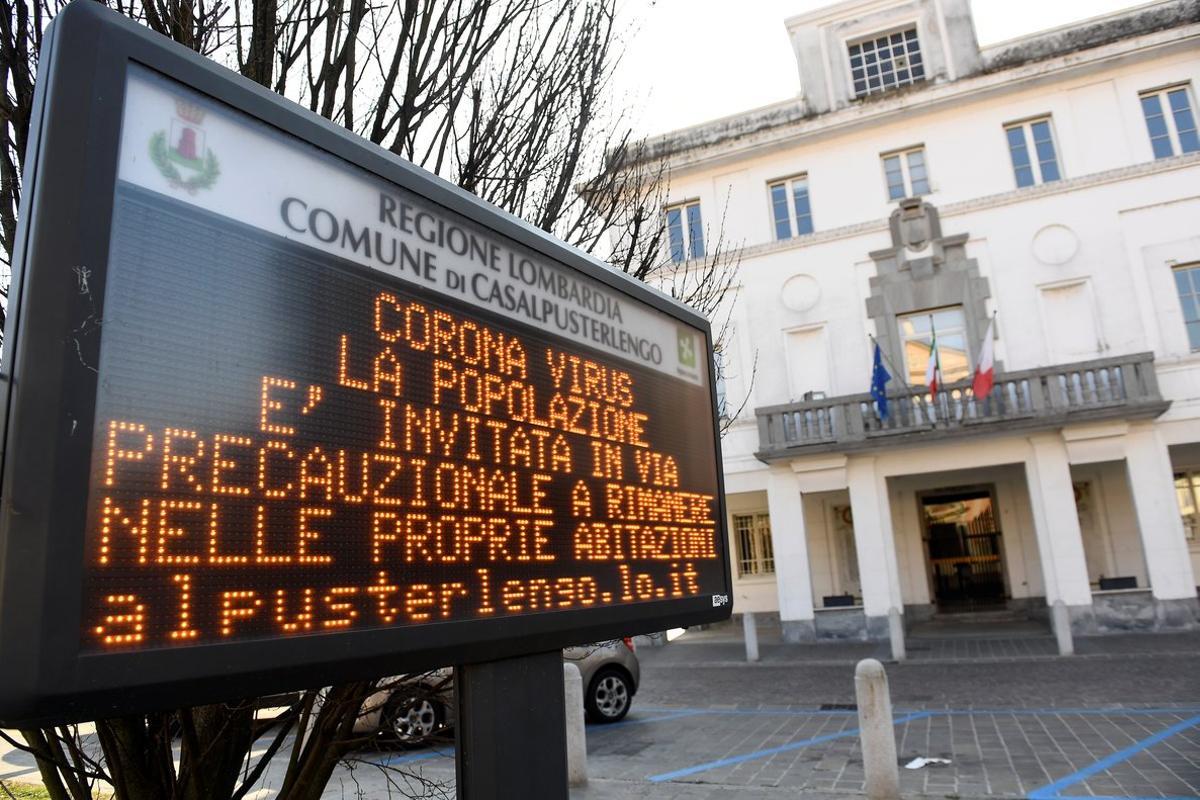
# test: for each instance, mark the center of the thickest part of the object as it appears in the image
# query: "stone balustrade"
(1121, 387)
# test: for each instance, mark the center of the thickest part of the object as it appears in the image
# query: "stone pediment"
(924, 270)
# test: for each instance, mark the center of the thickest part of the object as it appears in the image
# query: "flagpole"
(937, 356)
(991, 327)
(888, 361)
(986, 347)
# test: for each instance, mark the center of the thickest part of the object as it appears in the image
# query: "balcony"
(1123, 387)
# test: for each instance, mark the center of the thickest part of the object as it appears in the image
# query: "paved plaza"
(1121, 719)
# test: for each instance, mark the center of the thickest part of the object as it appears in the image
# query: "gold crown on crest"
(189, 111)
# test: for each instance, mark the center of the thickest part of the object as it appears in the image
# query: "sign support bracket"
(511, 729)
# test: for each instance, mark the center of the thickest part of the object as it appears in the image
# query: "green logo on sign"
(687, 349)
(181, 156)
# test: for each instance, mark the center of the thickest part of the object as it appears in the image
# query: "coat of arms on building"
(180, 153)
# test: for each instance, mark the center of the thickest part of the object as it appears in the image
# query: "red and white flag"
(985, 370)
(933, 372)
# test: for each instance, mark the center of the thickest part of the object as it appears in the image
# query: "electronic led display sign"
(284, 410)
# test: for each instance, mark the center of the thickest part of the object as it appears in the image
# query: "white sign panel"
(183, 145)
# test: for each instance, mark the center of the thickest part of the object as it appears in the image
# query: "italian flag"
(985, 371)
(933, 372)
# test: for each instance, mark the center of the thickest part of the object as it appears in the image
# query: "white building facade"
(921, 184)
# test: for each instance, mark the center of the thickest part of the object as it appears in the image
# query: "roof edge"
(1088, 34)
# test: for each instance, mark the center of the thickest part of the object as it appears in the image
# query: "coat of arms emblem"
(181, 154)
(687, 348)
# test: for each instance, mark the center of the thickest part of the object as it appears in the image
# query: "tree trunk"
(216, 740)
(133, 748)
(260, 60)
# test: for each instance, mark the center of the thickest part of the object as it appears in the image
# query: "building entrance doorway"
(964, 545)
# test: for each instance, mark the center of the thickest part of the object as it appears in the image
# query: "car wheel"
(609, 696)
(412, 720)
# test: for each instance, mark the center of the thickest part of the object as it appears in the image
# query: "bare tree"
(224, 750)
(511, 100)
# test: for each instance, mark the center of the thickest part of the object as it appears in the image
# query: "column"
(1056, 524)
(875, 543)
(790, 545)
(1168, 564)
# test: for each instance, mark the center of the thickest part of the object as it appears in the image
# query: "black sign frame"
(47, 415)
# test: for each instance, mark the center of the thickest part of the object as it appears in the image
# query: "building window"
(1187, 283)
(1170, 121)
(917, 333)
(685, 232)
(886, 62)
(905, 173)
(790, 207)
(1187, 491)
(1031, 146)
(753, 532)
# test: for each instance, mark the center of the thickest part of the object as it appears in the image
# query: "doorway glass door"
(964, 550)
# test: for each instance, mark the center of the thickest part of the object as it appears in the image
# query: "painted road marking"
(1049, 792)
(610, 726)
(937, 712)
(422, 756)
(725, 762)
(910, 717)
(1052, 791)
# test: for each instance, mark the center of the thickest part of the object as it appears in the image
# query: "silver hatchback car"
(420, 708)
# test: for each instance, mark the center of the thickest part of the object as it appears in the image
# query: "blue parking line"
(422, 756)
(764, 712)
(725, 762)
(1186, 709)
(1049, 792)
(1052, 791)
(1107, 712)
(605, 727)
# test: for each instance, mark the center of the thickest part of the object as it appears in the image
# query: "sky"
(690, 61)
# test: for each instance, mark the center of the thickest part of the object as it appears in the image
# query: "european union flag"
(879, 379)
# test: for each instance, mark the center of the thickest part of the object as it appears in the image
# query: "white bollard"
(876, 731)
(1060, 620)
(896, 632)
(750, 627)
(576, 736)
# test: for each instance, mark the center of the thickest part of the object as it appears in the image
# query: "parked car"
(419, 708)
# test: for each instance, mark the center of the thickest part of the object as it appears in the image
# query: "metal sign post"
(512, 729)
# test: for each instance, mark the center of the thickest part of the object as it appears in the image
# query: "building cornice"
(1011, 197)
(835, 12)
(786, 125)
